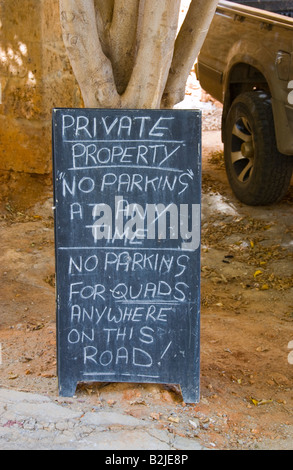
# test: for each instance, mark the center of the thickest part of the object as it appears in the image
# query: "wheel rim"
(242, 150)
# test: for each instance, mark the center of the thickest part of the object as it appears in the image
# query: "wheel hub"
(247, 149)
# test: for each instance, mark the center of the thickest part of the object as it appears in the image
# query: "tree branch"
(105, 8)
(154, 54)
(104, 14)
(123, 40)
(187, 47)
(91, 67)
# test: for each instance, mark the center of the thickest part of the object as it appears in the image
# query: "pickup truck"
(246, 63)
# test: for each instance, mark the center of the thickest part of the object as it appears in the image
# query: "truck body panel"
(250, 49)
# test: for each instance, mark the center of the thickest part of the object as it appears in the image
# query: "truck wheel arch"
(242, 77)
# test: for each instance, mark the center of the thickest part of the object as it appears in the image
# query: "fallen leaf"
(261, 349)
(257, 273)
(13, 376)
(174, 419)
(265, 402)
(139, 401)
(38, 327)
(255, 402)
(194, 424)
(260, 402)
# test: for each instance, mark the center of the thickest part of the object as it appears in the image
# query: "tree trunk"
(187, 47)
(126, 55)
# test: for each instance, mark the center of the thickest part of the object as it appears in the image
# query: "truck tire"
(258, 174)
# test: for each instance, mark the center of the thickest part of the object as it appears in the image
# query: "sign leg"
(67, 388)
(190, 393)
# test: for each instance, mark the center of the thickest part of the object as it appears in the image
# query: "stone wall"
(35, 76)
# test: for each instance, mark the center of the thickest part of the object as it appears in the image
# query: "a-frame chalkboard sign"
(127, 192)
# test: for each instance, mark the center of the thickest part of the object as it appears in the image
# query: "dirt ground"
(246, 315)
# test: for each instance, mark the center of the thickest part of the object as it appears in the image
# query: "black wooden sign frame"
(127, 199)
